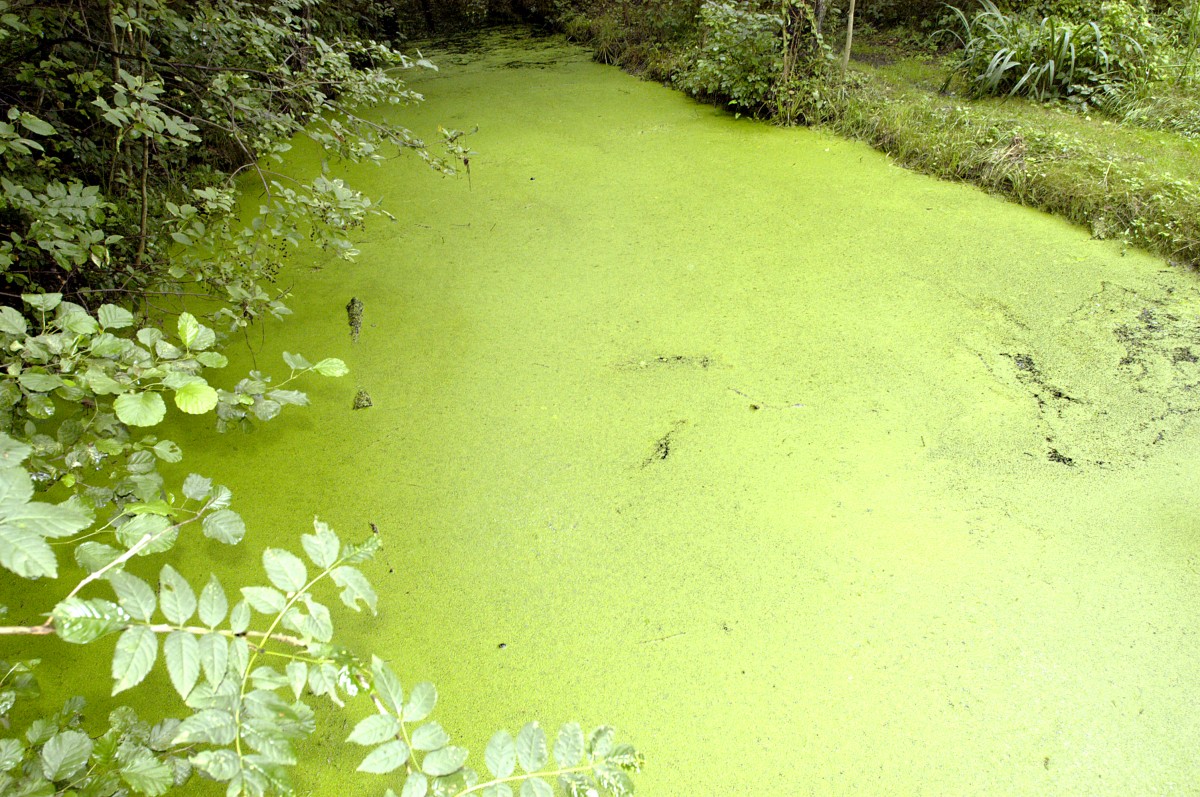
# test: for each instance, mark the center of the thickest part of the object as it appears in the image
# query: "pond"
(811, 474)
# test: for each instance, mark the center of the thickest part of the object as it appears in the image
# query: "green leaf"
(265, 600)
(497, 790)
(212, 359)
(417, 785)
(214, 657)
(175, 596)
(322, 546)
(297, 675)
(220, 765)
(38, 126)
(11, 753)
(188, 328)
(65, 754)
(331, 366)
(140, 409)
(42, 301)
(355, 587)
(12, 322)
(137, 649)
(167, 451)
(81, 621)
(211, 725)
(420, 702)
(154, 530)
(385, 758)
(38, 382)
(387, 686)
(239, 618)
(374, 729)
(196, 487)
(500, 756)
(25, 552)
(296, 362)
(145, 773)
(601, 741)
(182, 652)
(196, 397)
(12, 452)
(531, 748)
(48, 520)
(536, 787)
(284, 569)
(225, 526)
(568, 748)
(94, 556)
(430, 736)
(135, 596)
(444, 761)
(213, 603)
(113, 317)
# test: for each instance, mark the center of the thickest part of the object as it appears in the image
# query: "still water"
(811, 474)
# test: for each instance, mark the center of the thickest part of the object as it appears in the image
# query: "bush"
(738, 58)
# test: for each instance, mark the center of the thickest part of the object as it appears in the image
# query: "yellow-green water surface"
(812, 475)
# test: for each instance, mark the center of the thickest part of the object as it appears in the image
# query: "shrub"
(738, 58)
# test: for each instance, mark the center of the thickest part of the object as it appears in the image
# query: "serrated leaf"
(134, 595)
(568, 748)
(531, 748)
(387, 686)
(284, 569)
(212, 359)
(196, 397)
(296, 361)
(145, 773)
(167, 451)
(140, 409)
(297, 675)
(220, 765)
(39, 383)
(385, 758)
(81, 621)
(175, 596)
(212, 726)
(239, 617)
(214, 657)
(536, 787)
(26, 553)
(65, 754)
(264, 600)
(12, 322)
(331, 366)
(500, 756)
(600, 742)
(429, 736)
(42, 301)
(196, 487)
(416, 785)
(322, 545)
(420, 702)
(444, 761)
(113, 317)
(213, 604)
(137, 649)
(152, 531)
(497, 790)
(374, 729)
(355, 587)
(224, 525)
(182, 652)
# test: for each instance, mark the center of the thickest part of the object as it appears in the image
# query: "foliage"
(127, 132)
(1012, 54)
(128, 127)
(738, 58)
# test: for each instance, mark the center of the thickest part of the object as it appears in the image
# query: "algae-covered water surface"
(812, 475)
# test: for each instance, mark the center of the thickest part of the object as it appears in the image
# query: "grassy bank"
(1134, 177)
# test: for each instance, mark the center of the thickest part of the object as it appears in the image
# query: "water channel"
(811, 474)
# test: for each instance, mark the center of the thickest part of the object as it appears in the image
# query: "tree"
(127, 127)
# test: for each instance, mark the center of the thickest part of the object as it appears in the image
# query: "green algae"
(744, 439)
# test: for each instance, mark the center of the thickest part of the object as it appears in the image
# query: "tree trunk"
(849, 37)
